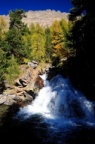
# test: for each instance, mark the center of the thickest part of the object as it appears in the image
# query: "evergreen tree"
(27, 44)
(2, 64)
(16, 43)
(38, 44)
(66, 27)
(3, 27)
(56, 38)
(48, 44)
(16, 21)
(57, 41)
(12, 70)
(2, 53)
(32, 28)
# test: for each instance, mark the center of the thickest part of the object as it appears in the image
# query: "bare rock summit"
(43, 17)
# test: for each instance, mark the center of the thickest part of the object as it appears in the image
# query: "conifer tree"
(12, 70)
(32, 28)
(57, 41)
(48, 47)
(38, 44)
(15, 41)
(3, 27)
(2, 64)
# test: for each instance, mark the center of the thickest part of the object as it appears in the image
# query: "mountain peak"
(43, 17)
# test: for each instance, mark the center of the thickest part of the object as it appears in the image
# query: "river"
(60, 114)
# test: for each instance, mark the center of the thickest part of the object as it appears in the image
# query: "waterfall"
(59, 100)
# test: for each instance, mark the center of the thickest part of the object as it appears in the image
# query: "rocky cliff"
(44, 18)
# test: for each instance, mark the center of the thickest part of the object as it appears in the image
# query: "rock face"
(18, 93)
(44, 18)
(25, 88)
(2, 99)
(33, 64)
(39, 82)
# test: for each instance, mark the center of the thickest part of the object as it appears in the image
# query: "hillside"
(44, 18)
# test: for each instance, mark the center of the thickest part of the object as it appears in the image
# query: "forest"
(72, 41)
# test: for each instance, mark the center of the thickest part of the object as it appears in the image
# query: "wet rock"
(27, 96)
(26, 87)
(31, 93)
(39, 82)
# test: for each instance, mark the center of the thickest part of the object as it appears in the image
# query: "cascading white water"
(59, 114)
(40, 104)
(58, 99)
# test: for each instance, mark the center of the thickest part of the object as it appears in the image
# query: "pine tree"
(2, 64)
(16, 44)
(38, 44)
(48, 46)
(57, 41)
(68, 43)
(12, 70)
(2, 53)
(64, 25)
(32, 28)
(3, 27)
(16, 21)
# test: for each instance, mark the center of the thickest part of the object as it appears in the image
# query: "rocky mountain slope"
(44, 18)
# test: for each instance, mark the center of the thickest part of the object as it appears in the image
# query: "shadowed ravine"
(59, 115)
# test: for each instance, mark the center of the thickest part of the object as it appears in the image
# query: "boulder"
(24, 82)
(7, 85)
(33, 64)
(2, 99)
(39, 82)
(9, 100)
(31, 93)
(27, 96)
(18, 84)
(18, 98)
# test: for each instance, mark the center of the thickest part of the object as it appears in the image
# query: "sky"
(7, 5)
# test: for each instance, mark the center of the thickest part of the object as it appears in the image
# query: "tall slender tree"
(2, 64)
(15, 42)
(16, 21)
(38, 44)
(48, 47)
(12, 70)
(57, 39)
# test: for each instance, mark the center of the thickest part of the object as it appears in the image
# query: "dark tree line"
(82, 40)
